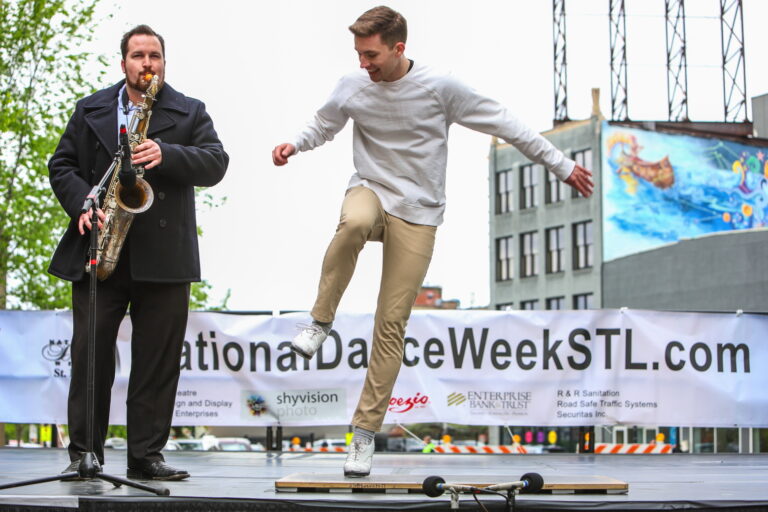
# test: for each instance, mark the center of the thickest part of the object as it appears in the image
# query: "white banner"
(542, 368)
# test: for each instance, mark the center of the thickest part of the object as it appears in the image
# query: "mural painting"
(659, 188)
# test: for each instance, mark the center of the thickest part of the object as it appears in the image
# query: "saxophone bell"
(136, 199)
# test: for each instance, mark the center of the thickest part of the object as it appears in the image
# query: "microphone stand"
(511, 493)
(88, 468)
(434, 486)
(510, 498)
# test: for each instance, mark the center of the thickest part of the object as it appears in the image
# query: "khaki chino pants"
(407, 253)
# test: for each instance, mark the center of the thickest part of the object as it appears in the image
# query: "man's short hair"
(382, 20)
(140, 29)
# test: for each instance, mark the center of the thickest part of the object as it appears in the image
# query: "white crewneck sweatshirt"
(400, 139)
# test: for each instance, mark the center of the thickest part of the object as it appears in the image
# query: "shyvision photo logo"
(295, 404)
(256, 405)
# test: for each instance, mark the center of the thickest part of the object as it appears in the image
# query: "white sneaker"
(359, 459)
(308, 341)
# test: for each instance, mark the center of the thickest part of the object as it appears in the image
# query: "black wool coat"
(162, 242)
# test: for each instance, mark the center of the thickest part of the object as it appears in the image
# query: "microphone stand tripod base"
(88, 470)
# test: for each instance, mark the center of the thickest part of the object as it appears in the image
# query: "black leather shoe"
(74, 466)
(157, 470)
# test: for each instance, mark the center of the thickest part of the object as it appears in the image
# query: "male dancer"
(401, 111)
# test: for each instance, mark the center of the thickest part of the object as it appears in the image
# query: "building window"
(583, 301)
(529, 304)
(556, 303)
(555, 249)
(504, 259)
(584, 159)
(529, 185)
(504, 192)
(582, 245)
(529, 264)
(555, 191)
(508, 306)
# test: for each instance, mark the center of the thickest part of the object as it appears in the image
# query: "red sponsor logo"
(400, 404)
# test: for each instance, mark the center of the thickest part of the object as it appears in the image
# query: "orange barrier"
(328, 449)
(448, 448)
(508, 449)
(604, 448)
(628, 448)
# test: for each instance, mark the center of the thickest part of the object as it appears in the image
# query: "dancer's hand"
(581, 180)
(281, 153)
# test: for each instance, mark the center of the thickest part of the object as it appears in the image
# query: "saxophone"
(122, 203)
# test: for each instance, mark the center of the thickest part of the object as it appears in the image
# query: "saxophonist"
(159, 258)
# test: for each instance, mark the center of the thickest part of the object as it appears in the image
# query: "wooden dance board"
(560, 484)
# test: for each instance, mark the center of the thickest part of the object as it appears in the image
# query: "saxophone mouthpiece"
(148, 77)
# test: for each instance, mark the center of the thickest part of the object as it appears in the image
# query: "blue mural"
(659, 188)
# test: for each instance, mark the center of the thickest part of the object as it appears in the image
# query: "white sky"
(263, 68)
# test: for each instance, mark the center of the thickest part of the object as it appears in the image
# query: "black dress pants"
(158, 313)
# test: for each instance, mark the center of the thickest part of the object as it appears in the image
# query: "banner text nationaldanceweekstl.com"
(558, 368)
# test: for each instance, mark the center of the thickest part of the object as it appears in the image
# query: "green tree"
(200, 300)
(41, 75)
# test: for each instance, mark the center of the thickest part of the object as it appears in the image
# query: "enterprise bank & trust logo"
(456, 398)
(405, 404)
(491, 400)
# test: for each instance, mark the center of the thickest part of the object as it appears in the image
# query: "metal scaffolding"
(734, 72)
(618, 40)
(677, 63)
(561, 75)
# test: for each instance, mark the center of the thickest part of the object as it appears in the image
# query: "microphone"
(528, 483)
(90, 199)
(434, 486)
(127, 173)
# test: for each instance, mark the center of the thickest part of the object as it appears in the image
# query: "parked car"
(171, 446)
(464, 442)
(24, 444)
(404, 444)
(117, 443)
(213, 443)
(233, 444)
(540, 448)
(190, 444)
(329, 443)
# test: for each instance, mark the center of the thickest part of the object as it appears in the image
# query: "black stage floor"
(246, 481)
